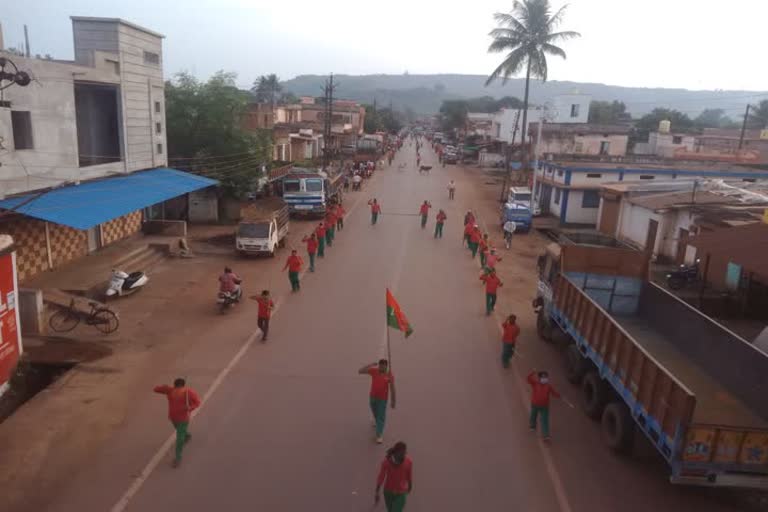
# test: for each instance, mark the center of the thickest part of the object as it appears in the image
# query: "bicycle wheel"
(64, 320)
(105, 320)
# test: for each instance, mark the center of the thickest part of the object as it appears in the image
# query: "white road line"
(139, 481)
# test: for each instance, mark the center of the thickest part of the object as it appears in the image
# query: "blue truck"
(519, 214)
(310, 192)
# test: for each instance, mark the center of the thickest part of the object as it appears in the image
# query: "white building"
(665, 145)
(563, 109)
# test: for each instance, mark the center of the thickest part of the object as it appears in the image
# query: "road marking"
(139, 481)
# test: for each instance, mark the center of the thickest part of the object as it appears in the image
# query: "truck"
(649, 362)
(263, 227)
(310, 192)
(519, 214)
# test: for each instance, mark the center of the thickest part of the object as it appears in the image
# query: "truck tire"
(543, 326)
(559, 336)
(272, 252)
(576, 365)
(281, 243)
(618, 427)
(595, 394)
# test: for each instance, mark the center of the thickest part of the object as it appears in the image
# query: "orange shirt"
(380, 383)
(293, 263)
(492, 283)
(441, 217)
(181, 402)
(375, 208)
(424, 210)
(511, 332)
(265, 307)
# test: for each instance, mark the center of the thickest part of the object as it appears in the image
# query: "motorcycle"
(226, 300)
(686, 274)
(121, 283)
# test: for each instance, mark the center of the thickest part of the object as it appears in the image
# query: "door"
(682, 245)
(650, 239)
(94, 238)
(546, 197)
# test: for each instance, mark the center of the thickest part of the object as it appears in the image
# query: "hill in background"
(425, 93)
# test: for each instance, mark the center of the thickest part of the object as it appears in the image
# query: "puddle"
(28, 380)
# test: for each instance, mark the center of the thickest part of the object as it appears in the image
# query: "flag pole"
(389, 350)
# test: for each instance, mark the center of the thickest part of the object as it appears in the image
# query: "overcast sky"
(694, 44)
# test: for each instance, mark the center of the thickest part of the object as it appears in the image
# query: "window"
(151, 58)
(157, 107)
(314, 185)
(575, 110)
(604, 147)
(158, 128)
(594, 175)
(159, 149)
(646, 177)
(21, 123)
(557, 196)
(97, 116)
(560, 173)
(590, 199)
(677, 139)
(291, 186)
(579, 147)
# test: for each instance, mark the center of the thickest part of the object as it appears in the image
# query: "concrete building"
(666, 145)
(85, 150)
(570, 190)
(563, 109)
(479, 124)
(566, 139)
(723, 144)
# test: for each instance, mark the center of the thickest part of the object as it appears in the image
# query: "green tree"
(528, 34)
(608, 112)
(650, 122)
(713, 118)
(758, 115)
(205, 133)
(382, 120)
(453, 114)
(267, 89)
(288, 98)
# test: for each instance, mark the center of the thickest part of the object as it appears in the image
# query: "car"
(450, 157)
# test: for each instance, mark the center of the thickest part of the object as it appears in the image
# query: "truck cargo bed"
(714, 403)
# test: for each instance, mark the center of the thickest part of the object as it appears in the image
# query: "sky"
(692, 44)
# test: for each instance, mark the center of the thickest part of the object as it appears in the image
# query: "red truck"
(648, 361)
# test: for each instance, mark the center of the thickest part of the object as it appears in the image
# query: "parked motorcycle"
(225, 300)
(685, 275)
(122, 283)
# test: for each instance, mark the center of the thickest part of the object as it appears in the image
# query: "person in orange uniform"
(181, 402)
(375, 210)
(468, 228)
(492, 284)
(483, 249)
(382, 381)
(541, 391)
(340, 212)
(510, 332)
(320, 233)
(424, 212)
(330, 227)
(474, 240)
(440, 221)
(396, 475)
(492, 258)
(294, 264)
(312, 245)
(265, 312)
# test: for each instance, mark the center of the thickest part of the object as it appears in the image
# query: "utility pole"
(744, 126)
(26, 42)
(507, 161)
(328, 90)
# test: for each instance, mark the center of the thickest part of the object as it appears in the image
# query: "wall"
(121, 227)
(633, 224)
(504, 124)
(561, 108)
(576, 214)
(204, 205)
(587, 144)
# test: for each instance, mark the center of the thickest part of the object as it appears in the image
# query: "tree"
(288, 98)
(205, 134)
(650, 122)
(453, 114)
(381, 120)
(267, 89)
(528, 35)
(758, 115)
(713, 118)
(608, 112)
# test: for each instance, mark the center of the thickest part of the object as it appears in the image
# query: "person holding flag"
(382, 382)
(424, 212)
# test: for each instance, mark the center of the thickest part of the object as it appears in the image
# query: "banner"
(10, 331)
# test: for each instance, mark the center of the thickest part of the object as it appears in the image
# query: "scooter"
(225, 300)
(686, 274)
(121, 283)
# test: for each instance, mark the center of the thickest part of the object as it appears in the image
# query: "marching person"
(509, 336)
(320, 233)
(541, 391)
(330, 227)
(492, 258)
(382, 381)
(396, 475)
(451, 189)
(424, 212)
(492, 284)
(294, 264)
(265, 312)
(340, 212)
(181, 402)
(469, 218)
(474, 240)
(441, 217)
(483, 248)
(312, 246)
(375, 210)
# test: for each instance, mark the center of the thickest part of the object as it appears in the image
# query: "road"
(286, 425)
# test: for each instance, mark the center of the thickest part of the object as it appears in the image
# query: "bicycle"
(101, 318)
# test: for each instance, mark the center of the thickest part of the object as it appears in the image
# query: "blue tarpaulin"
(94, 202)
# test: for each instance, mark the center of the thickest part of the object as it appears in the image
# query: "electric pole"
(328, 90)
(744, 126)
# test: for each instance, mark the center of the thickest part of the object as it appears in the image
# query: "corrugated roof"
(95, 202)
(670, 199)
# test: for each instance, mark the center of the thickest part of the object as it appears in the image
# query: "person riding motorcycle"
(509, 229)
(229, 282)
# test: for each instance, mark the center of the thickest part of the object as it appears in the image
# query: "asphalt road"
(288, 426)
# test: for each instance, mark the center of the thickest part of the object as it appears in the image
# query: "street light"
(15, 76)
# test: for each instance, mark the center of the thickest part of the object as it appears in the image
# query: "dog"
(425, 169)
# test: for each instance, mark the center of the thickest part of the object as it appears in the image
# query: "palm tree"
(528, 35)
(758, 118)
(266, 88)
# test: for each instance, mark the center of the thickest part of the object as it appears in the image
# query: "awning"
(95, 202)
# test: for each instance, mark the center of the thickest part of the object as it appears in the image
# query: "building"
(666, 145)
(568, 139)
(85, 160)
(662, 217)
(570, 190)
(563, 109)
(479, 124)
(718, 143)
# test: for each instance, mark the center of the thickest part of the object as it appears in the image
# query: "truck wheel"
(618, 427)
(281, 243)
(543, 327)
(595, 394)
(559, 336)
(272, 253)
(576, 365)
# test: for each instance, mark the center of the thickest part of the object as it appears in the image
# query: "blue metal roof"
(95, 202)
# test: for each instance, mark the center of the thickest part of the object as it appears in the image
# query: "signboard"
(765, 216)
(10, 331)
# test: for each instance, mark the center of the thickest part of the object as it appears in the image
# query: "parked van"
(523, 196)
